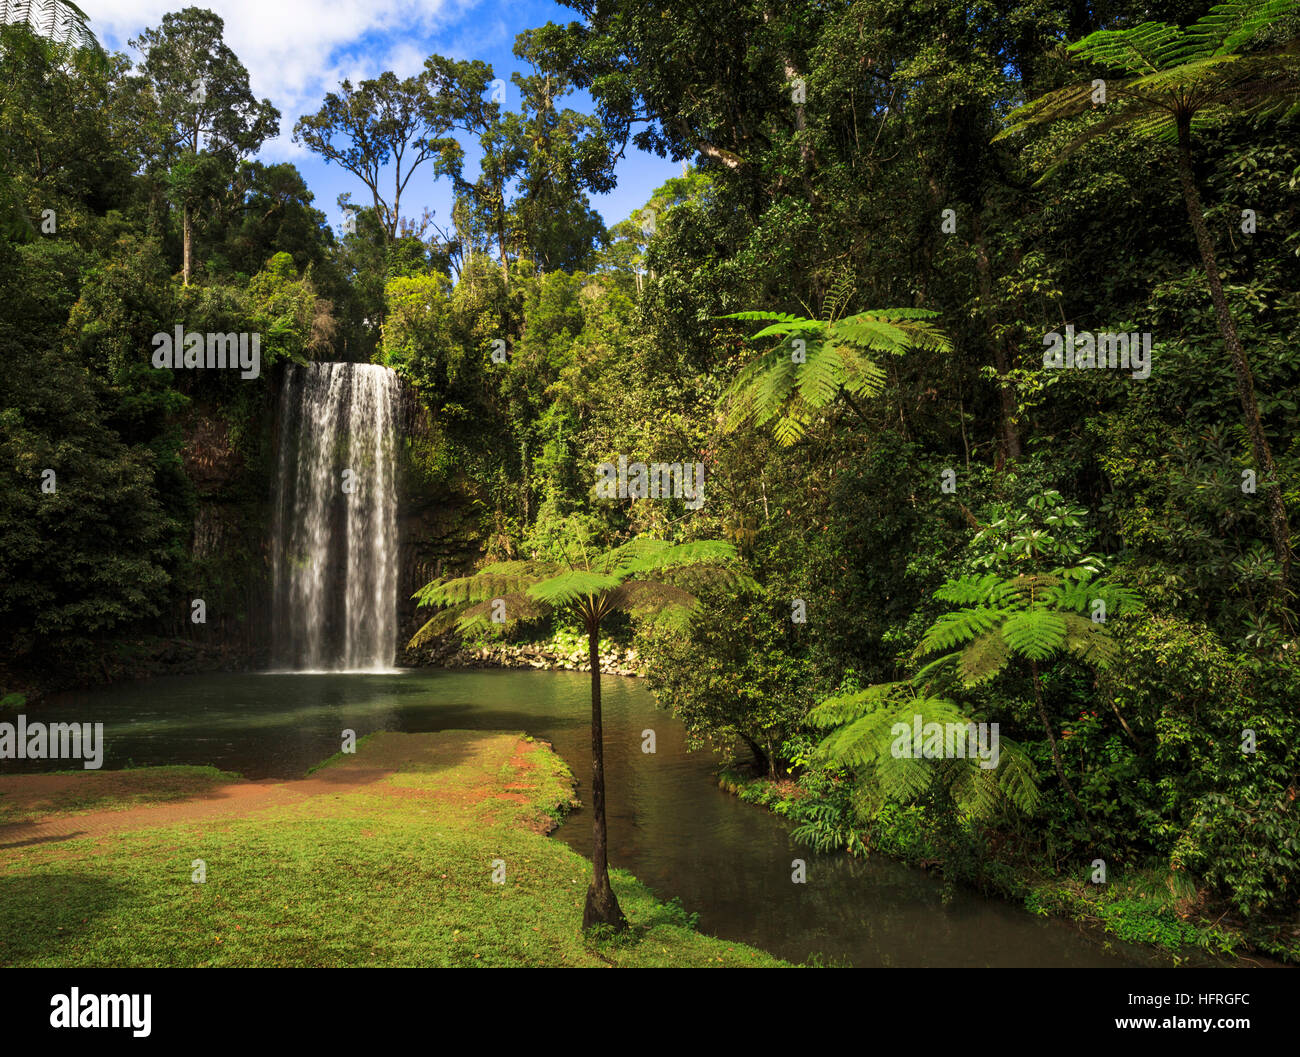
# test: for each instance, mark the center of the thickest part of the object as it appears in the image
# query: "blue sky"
(297, 50)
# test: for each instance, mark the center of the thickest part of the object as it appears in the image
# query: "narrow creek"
(669, 823)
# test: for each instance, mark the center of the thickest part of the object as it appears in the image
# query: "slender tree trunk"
(1056, 752)
(792, 74)
(1279, 527)
(1006, 398)
(187, 227)
(760, 757)
(602, 907)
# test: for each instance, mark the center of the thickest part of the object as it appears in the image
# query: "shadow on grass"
(46, 913)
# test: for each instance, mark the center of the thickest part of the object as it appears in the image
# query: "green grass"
(105, 791)
(394, 874)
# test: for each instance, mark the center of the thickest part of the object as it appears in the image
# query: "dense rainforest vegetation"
(841, 310)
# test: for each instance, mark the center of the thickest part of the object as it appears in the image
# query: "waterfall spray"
(334, 552)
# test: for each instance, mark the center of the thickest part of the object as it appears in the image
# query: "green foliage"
(646, 578)
(1191, 77)
(874, 739)
(821, 359)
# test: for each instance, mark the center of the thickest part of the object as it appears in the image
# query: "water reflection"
(669, 823)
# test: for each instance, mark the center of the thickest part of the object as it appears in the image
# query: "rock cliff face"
(230, 468)
(438, 532)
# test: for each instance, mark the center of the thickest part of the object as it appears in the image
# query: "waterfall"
(334, 546)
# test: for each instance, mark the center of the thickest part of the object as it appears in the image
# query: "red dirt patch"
(384, 756)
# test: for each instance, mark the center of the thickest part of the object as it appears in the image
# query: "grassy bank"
(1137, 907)
(27, 798)
(385, 857)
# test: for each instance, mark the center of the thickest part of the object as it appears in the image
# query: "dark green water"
(669, 823)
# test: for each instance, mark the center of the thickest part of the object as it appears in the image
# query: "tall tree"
(203, 105)
(646, 578)
(1175, 81)
(383, 121)
(469, 98)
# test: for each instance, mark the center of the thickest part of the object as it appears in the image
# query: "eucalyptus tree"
(1174, 82)
(204, 115)
(645, 578)
(385, 120)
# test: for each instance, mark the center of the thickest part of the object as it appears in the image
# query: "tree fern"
(59, 21)
(1171, 84)
(646, 578)
(787, 391)
(866, 742)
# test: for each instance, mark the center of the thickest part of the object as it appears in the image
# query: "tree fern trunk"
(1279, 528)
(602, 907)
(188, 235)
(1056, 752)
(1006, 395)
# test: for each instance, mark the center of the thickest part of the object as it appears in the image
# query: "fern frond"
(1035, 633)
(820, 379)
(968, 590)
(953, 629)
(1228, 26)
(984, 658)
(843, 708)
(1091, 643)
(761, 317)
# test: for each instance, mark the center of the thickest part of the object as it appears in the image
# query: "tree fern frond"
(862, 376)
(440, 623)
(789, 326)
(954, 629)
(820, 379)
(1141, 49)
(1228, 26)
(968, 590)
(571, 585)
(1091, 643)
(843, 708)
(984, 658)
(1035, 633)
(760, 317)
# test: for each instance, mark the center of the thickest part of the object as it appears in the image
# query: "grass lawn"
(385, 859)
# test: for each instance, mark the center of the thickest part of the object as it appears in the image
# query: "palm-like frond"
(1197, 75)
(866, 741)
(956, 629)
(967, 590)
(984, 658)
(60, 21)
(648, 578)
(1035, 633)
(844, 708)
(492, 581)
(1033, 616)
(775, 387)
(981, 792)
(1228, 26)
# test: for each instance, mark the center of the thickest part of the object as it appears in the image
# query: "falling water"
(334, 590)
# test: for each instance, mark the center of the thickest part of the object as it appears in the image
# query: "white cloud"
(297, 50)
